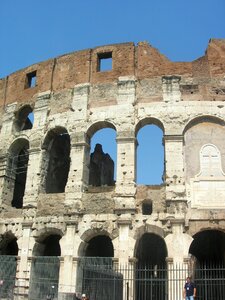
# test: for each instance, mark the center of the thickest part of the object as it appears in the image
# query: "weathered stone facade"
(73, 98)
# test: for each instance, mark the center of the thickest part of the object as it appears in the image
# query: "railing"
(103, 279)
(7, 275)
(152, 283)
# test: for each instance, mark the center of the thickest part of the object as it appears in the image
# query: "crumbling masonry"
(59, 200)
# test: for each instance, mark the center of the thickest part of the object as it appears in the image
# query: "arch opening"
(150, 155)
(103, 158)
(8, 262)
(24, 118)
(97, 268)
(151, 267)
(49, 246)
(17, 171)
(208, 267)
(151, 250)
(99, 246)
(9, 245)
(45, 265)
(21, 176)
(209, 247)
(57, 161)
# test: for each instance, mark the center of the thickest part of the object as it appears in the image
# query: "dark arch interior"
(209, 246)
(20, 171)
(59, 164)
(9, 247)
(151, 250)
(100, 246)
(51, 245)
(150, 270)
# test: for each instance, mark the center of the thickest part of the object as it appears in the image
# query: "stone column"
(126, 266)
(126, 145)
(176, 278)
(33, 180)
(3, 178)
(126, 162)
(78, 175)
(174, 171)
(68, 270)
(178, 244)
(24, 263)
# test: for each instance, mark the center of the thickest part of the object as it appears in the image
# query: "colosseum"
(74, 221)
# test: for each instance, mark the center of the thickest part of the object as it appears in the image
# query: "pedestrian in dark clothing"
(189, 291)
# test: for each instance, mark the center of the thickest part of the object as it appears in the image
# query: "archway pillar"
(174, 167)
(77, 181)
(25, 244)
(126, 263)
(3, 181)
(125, 182)
(178, 244)
(68, 263)
(33, 179)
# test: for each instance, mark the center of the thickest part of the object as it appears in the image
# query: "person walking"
(189, 291)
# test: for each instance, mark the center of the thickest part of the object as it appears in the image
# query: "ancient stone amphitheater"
(65, 220)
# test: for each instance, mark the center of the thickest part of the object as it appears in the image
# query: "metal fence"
(44, 278)
(7, 276)
(152, 283)
(103, 279)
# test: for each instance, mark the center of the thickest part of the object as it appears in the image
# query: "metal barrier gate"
(152, 283)
(7, 276)
(44, 278)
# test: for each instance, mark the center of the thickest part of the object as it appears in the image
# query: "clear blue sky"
(33, 31)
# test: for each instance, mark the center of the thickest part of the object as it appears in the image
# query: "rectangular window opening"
(105, 61)
(31, 79)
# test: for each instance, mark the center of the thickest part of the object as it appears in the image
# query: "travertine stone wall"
(72, 96)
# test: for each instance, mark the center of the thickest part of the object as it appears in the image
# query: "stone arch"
(47, 242)
(45, 262)
(200, 131)
(149, 121)
(101, 167)
(56, 160)
(17, 144)
(90, 235)
(18, 157)
(206, 254)
(149, 166)
(201, 119)
(150, 252)
(145, 229)
(93, 128)
(24, 118)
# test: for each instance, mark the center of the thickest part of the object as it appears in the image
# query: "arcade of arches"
(117, 168)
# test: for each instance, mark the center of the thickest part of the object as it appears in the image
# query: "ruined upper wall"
(143, 61)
